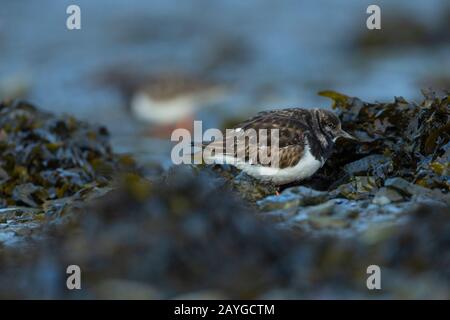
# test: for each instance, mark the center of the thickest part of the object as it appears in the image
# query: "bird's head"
(331, 125)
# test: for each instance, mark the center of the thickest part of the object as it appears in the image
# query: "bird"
(166, 100)
(169, 98)
(305, 140)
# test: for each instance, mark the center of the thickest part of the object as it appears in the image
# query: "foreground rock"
(182, 236)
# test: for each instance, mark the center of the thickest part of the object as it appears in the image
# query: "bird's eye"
(331, 125)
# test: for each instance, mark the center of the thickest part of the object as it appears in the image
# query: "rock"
(307, 196)
(323, 209)
(359, 188)
(405, 187)
(245, 185)
(325, 222)
(370, 164)
(347, 191)
(293, 197)
(28, 193)
(387, 195)
(277, 216)
(364, 184)
(322, 216)
(252, 189)
(433, 196)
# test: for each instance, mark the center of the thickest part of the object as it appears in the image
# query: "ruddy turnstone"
(170, 100)
(163, 100)
(306, 140)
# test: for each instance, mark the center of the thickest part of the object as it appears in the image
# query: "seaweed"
(397, 139)
(46, 159)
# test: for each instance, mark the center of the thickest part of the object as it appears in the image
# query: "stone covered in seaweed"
(397, 139)
(47, 162)
(43, 157)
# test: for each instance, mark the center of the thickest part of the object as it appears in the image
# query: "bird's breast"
(305, 168)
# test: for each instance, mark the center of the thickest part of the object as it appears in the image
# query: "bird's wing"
(295, 114)
(292, 132)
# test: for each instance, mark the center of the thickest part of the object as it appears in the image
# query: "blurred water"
(292, 50)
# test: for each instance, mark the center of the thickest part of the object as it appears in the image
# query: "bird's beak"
(346, 135)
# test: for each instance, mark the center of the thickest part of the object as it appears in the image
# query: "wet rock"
(322, 209)
(376, 163)
(360, 187)
(321, 216)
(404, 186)
(386, 196)
(326, 222)
(417, 192)
(293, 198)
(364, 184)
(28, 194)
